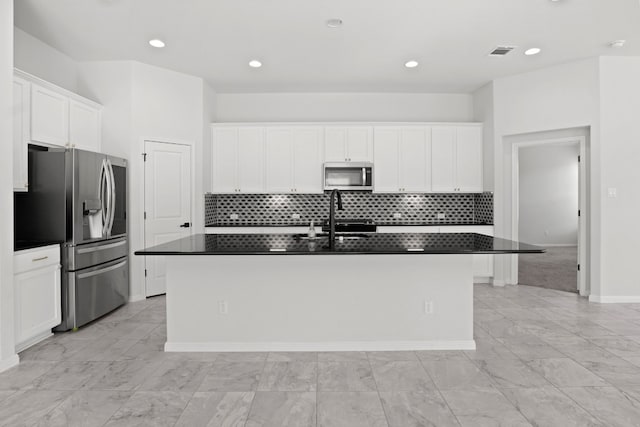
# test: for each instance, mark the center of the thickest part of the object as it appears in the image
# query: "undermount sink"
(323, 236)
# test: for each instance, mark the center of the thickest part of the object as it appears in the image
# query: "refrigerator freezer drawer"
(94, 292)
(84, 256)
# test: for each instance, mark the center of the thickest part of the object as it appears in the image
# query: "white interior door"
(167, 192)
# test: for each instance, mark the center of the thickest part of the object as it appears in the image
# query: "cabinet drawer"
(31, 259)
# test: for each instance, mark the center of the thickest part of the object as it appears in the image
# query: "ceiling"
(451, 39)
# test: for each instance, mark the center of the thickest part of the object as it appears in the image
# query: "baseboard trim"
(605, 299)
(134, 298)
(500, 283)
(33, 341)
(319, 346)
(556, 245)
(9, 363)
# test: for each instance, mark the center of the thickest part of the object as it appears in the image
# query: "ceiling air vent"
(501, 50)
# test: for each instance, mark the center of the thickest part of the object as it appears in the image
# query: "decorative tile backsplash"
(279, 209)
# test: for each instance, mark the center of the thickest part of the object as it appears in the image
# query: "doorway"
(549, 202)
(167, 204)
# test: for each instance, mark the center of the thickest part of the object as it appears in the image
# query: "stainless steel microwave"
(350, 176)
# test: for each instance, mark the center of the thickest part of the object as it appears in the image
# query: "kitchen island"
(283, 292)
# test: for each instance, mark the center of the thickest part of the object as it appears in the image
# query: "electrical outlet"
(441, 216)
(612, 192)
(234, 216)
(295, 216)
(223, 307)
(428, 307)
(397, 215)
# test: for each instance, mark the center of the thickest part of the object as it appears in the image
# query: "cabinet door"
(37, 302)
(225, 160)
(335, 140)
(250, 160)
(386, 161)
(84, 126)
(279, 165)
(469, 159)
(307, 160)
(443, 159)
(20, 134)
(49, 116)
(415, 159)
(359, 144)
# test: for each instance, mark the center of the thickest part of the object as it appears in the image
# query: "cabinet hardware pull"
(39, 259)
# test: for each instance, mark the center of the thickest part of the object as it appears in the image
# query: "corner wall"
(552, 100)
(8, 356)
(620, 152)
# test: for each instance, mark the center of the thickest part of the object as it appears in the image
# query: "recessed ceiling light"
(156, 43)
(617, 43)
(334, 23)
(532, 51)
(254, 63)
(411, 64)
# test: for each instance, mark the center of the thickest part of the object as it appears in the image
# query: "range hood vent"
(501, 50)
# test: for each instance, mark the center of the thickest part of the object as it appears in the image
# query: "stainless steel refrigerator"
(79, 198)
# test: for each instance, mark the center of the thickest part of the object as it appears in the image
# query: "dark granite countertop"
(296, 244)
(21, 245)
(383, 224)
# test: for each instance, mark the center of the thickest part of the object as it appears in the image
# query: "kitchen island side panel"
(319, 303)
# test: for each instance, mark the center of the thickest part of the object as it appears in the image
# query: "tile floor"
(544, 358)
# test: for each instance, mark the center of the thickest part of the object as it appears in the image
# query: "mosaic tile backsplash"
(277, 209)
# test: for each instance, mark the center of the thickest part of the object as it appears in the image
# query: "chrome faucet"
(332, 214)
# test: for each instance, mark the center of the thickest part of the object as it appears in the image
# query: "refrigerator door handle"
(105, 193)
(112, 206)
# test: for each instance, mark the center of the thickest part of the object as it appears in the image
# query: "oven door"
(98, 290)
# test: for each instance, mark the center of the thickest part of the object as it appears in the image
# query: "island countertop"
(374, 244)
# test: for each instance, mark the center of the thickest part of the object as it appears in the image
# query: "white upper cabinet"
(386, 161)
(49, 116)
(402, 159)
(20, 134)
(279, 166)
(294, 159)
(307, 160)
(469, 159)
(456, 159)
(250, 160)
(44, 114)
(84, 126)
(238, 159)
(348, 144)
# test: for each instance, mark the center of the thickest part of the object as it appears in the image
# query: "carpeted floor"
(555, 269)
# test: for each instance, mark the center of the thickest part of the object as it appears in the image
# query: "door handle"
(185, 225)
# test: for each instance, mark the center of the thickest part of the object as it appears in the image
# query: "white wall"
(279, 107)
(620, 154)
(8, 357)
(38, 58)
(555, 98)
(548, 204)
(146, 102)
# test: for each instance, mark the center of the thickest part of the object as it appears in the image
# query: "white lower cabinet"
(37, 305)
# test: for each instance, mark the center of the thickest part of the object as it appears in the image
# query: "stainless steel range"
(80, 198)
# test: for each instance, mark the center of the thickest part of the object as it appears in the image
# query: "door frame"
(142, 203)
(583, 284)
